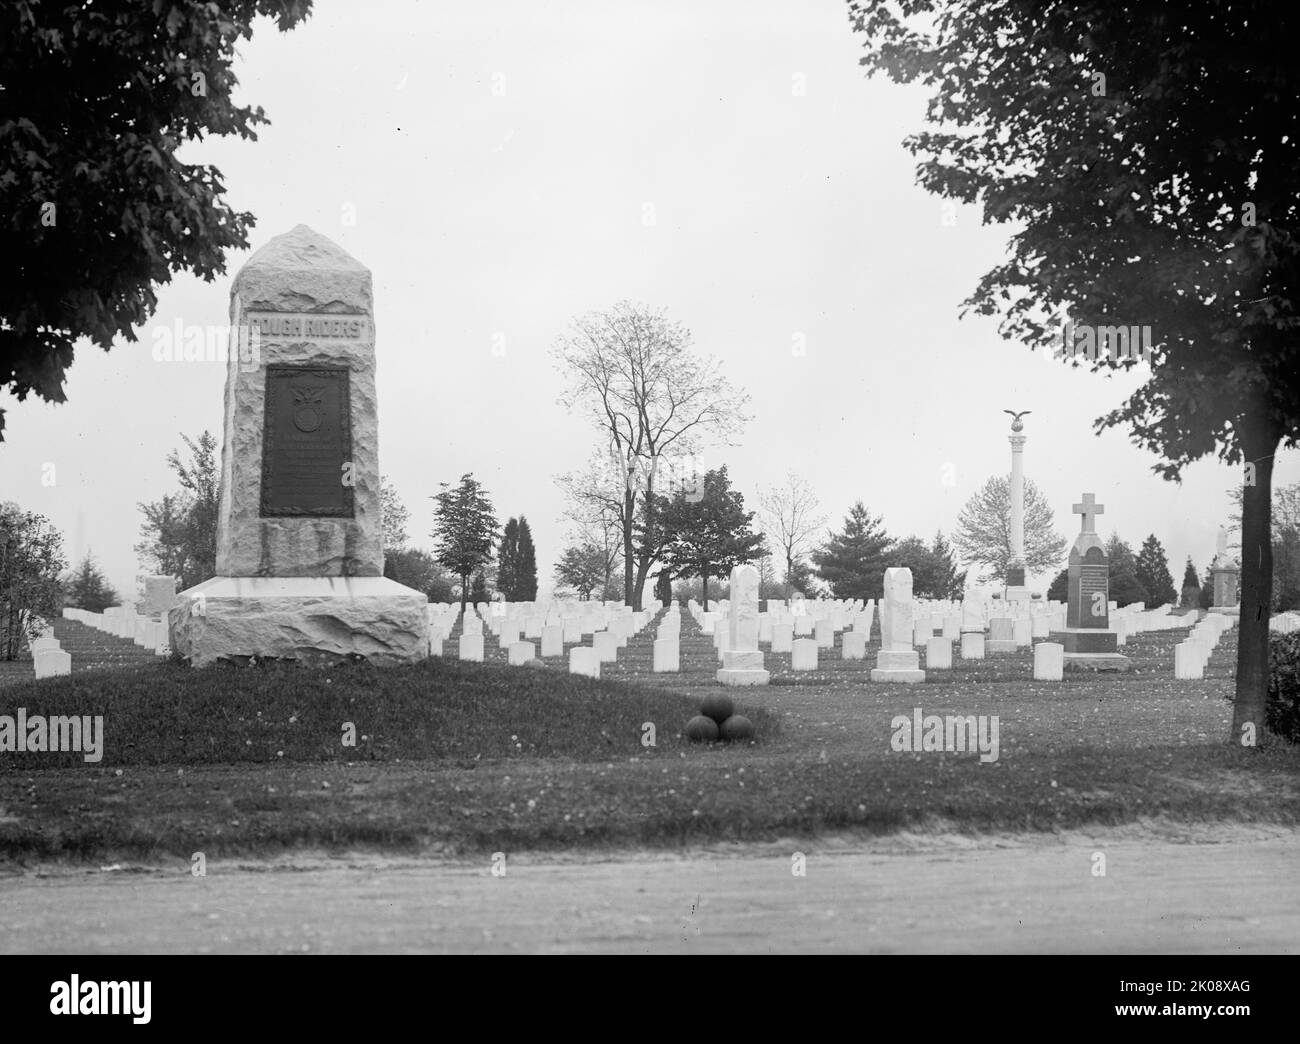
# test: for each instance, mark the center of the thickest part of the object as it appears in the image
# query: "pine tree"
(1125, 587)
(1191, 593)
(853, 562)
(465, 530)
(710, 536)
(1153, 571)
(87, 588)
(508, 561)
(525, 566)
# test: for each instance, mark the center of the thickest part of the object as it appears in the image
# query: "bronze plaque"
(307, 443)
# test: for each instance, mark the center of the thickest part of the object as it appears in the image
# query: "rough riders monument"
(299, 553)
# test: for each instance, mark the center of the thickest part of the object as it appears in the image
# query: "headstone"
(1023, 632)
(666, 656)
(552, 640)
(938, 654)
(897, 660)
(742, 660)
(1002, 635)
(519, 653)
(803, 654)
(854, 645)
(299, 556)
(50, 663)
(782, 637)
(37, 645)
(1188, 663)
(1049, 660)
(471, 647)
(972, 645)
(583, 660)
(824, 634)
(605, 645)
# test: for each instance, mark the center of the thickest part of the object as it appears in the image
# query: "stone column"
(742, 660)
(1016, 493)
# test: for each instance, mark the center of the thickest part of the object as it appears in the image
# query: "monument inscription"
(307, 443)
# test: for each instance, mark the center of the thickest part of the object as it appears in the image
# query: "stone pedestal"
(898, 665)
(315, 620)
(742, 660)
(897, 660)
(742, 668)
(1002, 635)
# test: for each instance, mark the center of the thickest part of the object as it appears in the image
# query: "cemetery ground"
(457, 762)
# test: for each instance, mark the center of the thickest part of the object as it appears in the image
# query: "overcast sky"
(501, 162)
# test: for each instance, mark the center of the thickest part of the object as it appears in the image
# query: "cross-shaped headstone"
(1089, 510)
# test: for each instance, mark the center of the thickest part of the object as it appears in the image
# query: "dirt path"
(888, 895)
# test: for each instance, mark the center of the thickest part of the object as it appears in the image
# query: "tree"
(853, 562)
(31, 561)
(1191, 586)
(479, 592)
(508, 560)
(983, 533)
(464, 530)
(525, 589)
(593, 504)
(1286, 543)
(632, 371)
(417, 569)
(179, 532)
(393, 516)
(934, 570)
(790, 512)
(1059, 591)
(1125, 587)
(101, 208)
(582, 568)
(1163, 195)
(1153, 572)
(710, 536)
(87, 588)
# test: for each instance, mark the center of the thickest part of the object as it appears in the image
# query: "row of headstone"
(1193, 653)
(123, 621)
(1284, 623)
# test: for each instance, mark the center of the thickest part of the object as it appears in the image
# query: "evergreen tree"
(710, 536)
(1059, 590)
(1153, 572)
(934, 570)
(1125, 587)
(87, 588)
(479, 592)
(853, 562)
(508, 561)
(1206, 597)
(465, 530)
(525, 589)
(417, 569)
(1191, 593)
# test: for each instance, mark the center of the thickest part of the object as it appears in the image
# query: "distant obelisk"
(1016, 590)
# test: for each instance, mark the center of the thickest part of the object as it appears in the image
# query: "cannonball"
(737, 727)
(701, 729)
(717, 706)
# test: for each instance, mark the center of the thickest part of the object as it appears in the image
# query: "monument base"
(898, 665)
(1096, 662)
(1000, 646)
(742, 668)
(1018, 594)
(317, 621)
(1086, 641)
(734, 677)
(1226, 610)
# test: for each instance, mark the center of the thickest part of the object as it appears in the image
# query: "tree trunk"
(464, 590)
(1258, 444)
(629, 521)
(705, 578)
(642, 571)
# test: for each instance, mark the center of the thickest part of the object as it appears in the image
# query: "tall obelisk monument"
(1016, 590)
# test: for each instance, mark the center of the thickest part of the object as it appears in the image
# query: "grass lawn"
(470, 758)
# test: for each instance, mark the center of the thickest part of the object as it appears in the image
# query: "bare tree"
(633, 372)
(792, 520)
(593, 502)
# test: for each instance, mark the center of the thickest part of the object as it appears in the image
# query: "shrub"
(1282, 714)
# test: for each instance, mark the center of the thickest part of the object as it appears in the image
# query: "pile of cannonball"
(718, 720)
